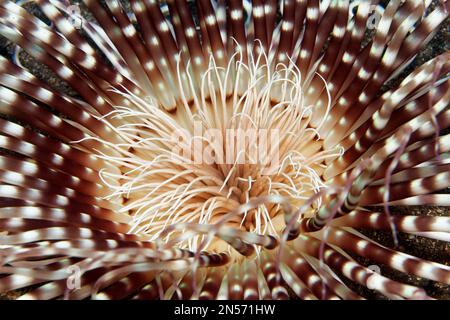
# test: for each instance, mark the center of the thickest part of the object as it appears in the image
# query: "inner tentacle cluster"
(219, 151)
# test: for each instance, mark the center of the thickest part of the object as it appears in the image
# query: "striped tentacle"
(380, 118)
(363, 219)
(354, 271)
(394, 259)
(389, 62)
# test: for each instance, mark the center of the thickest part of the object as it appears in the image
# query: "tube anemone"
(224, 150)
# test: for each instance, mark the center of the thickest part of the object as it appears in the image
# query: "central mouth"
(232, 144)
